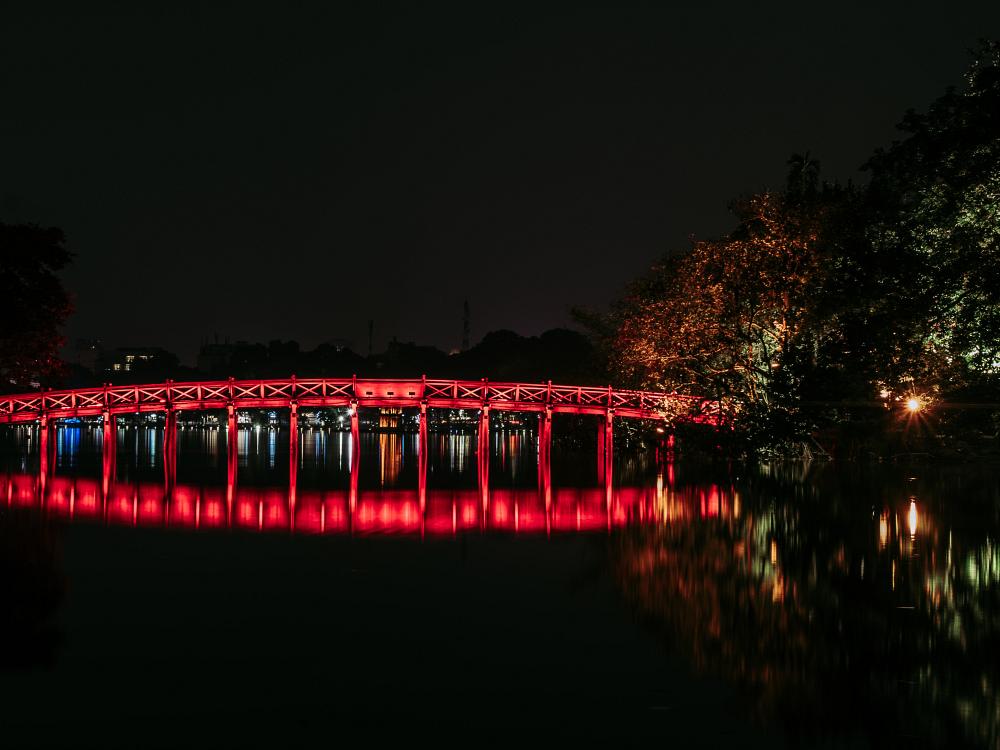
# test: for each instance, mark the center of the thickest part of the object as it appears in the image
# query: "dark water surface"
(778, 606)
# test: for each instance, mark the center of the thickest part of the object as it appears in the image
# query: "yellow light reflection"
(883, 531)
(778, 589)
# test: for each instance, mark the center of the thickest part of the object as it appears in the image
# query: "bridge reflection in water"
(331, 511)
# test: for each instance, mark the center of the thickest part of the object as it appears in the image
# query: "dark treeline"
(560, 355)
(857, 320)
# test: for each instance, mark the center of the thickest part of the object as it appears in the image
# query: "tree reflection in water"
(848, 607)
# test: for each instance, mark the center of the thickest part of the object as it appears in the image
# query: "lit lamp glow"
(913, 405)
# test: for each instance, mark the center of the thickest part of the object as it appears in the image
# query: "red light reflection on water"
(380, 511)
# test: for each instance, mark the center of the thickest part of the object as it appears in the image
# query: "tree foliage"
(825, 294)
(935, 197)
(33, 303)
(732, 317)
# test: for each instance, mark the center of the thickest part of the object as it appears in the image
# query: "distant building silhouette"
(149, 360)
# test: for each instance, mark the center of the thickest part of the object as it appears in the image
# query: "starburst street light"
(914, 404)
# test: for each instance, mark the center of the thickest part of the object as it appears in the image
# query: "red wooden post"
(109, 437)
(609, 448)
(545, 455)
(108, 451)
(422, 449)
(232, 456)
(483, 456)
(45, 427)
(293, 459)
(601, 434)
(355, 456)
(170, 447)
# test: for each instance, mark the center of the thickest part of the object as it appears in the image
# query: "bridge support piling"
(109, 450)
(601, 432)
(483, 457)
(609, 446)
(232, 459)
(46, 442)
(355, 457)
(422, 450)
(293, 460)
(545, 458)
(170, 448)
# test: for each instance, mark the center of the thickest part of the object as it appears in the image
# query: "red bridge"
(293, 393)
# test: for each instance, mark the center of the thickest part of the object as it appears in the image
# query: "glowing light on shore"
(911, 518)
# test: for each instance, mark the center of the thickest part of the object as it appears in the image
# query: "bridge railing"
(341, 391)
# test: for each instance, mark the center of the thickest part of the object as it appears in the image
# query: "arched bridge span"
(48, 407)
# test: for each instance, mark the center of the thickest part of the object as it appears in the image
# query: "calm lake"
(688, 605)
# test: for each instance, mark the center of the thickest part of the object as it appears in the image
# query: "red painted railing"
(334, 392)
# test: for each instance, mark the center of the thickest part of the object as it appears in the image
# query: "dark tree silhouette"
(33, 303)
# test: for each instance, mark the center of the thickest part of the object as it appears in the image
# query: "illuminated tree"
(730, 318)
(936, 233)
(33, 303)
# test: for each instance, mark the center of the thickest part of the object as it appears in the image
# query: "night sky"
(271, 172)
